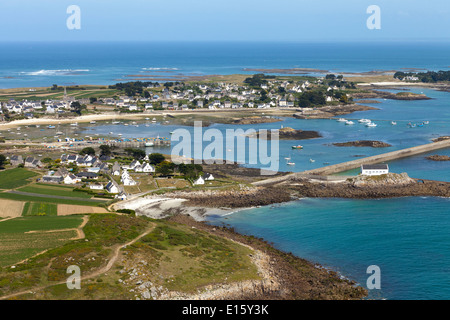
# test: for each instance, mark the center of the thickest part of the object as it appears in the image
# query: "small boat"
(371, 124)
(51, 127)
(291, 163)
(364, 121)
(93, 122)
(341, 120)
(349, 123)
(171, 132)
(311, 160)
(393, 123)
(74, 124)
(420, 125)
(115, 122)
(297, 147)
(426, 122)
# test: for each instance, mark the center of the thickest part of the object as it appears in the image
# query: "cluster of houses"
(29, 108)
(182, 97)
(29, 162)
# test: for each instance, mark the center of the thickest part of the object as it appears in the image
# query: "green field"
(15, 178)
(18, 243)
(31, 198)
(54, 190)
(39, 209)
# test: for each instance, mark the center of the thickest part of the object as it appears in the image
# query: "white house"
(148, 168)
(374, 169)
(112, 187)
(96, 186)
(71, 179)
(199, 181)
(208, 177)
(116, 169)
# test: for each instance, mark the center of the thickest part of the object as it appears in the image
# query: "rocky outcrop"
(441, 138)
(327, 112)
(363, 143)
(387, 186)
(385, 180)
(288, 133)
(245, 197)
(255, 120)
(437, 157)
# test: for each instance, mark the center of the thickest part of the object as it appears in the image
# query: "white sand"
(158, 208)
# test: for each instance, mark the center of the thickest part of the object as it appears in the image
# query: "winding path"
(96, 273)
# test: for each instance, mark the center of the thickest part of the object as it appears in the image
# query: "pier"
(349, 165)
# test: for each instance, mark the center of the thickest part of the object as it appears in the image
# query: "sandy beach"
(159, 208)
(81, 119)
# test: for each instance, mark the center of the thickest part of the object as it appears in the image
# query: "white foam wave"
(61, 72)
(156, 69)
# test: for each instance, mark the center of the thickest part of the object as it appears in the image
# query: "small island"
(288, 133)
(363, 143)
(437, 157)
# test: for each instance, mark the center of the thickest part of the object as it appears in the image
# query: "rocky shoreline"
(288, 133)
(363, 143)
(285, 276)
(328, 112)
(437, 157)
(377, 187)
(376, 94)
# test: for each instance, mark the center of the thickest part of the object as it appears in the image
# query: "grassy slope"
(175, 256)
(18, 244)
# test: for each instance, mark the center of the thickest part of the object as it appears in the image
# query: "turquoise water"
(323, 152)
(407, 238)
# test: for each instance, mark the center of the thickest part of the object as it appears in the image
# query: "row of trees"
(427, 77)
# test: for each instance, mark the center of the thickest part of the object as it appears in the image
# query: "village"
(110, 177)
(259, 91)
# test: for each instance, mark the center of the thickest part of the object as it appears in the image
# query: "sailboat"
(311, 160)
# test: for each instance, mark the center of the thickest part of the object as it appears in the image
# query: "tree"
(76, 107)
(88, 151)
(92, 100)
(135, 153)
(156, 158)
(165, 168)
(105, 150)
(2, 161)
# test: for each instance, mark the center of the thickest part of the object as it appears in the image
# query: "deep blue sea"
(45, 64)
(407, 238)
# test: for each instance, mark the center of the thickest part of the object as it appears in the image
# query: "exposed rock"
(437, 157)
(363, 143)
(441, 138)
(255, 120)
(288, 133)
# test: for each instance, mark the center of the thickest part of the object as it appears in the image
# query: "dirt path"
(103, 270)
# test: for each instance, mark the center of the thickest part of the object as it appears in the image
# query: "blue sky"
(220, 20)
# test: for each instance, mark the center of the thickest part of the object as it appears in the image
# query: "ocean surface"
(44, 64)
(407, 238)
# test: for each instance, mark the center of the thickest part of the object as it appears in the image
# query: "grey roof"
(375, 166)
